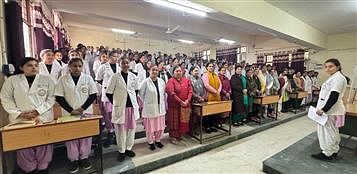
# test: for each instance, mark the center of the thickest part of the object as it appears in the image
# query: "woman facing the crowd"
(179, 93)
(330, 102)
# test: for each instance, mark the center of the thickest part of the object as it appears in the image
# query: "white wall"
(267, 45)
(107, 38)
(340, 46)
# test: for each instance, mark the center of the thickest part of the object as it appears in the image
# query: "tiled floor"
(245, 155)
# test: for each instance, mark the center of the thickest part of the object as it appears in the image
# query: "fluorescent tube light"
(186, 41)
(226, 41)
(123, 31)
(193, 5)
(177, 7)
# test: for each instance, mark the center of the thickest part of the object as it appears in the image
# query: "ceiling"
(151, 21)
(328, 16)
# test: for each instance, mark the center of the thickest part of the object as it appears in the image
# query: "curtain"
(14, 34)
(43, 29)
(297, 62)
(60, 34)
(226, 55)
(281, 61)
(261, 59)
(42, 41)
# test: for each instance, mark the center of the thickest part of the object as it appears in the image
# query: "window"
(27, 40)
(206, 54)
(27, 28)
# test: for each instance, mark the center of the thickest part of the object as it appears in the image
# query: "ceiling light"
(177, 7)
(193, 5)
(226, 41)
(123, 31)
(186, 41)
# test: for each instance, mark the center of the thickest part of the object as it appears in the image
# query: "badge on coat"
(41, 92)
(84, 89)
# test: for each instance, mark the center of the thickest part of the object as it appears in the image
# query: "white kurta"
(55, 70)
(16, 96)
(148, 94)
(105, 72)
(141, 73)
(120, 91)
(76, 95)
(329, 137)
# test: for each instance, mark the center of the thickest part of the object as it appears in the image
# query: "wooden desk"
(22, 136)
(208, 109)
(296, 96)
(266, 100)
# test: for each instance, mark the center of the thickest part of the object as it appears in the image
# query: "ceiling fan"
(254, 45)
(171, 30)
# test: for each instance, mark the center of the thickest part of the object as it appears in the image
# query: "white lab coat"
(60, 64)
(148, 94)
(76, 95)
(104, 73)
(96, 66)
(65, 68)
(141, 73)
(336, 82)
(328, 135)
(132, 65)
(120, 92)
(16, 96)
(55, 70)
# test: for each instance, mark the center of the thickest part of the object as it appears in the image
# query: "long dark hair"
(335, 62)
(23, 62)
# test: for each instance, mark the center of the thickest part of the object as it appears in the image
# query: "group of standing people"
(128, 86)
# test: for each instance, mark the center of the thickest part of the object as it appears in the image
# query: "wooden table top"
(351, 109)
(59, 121)
(211, 103)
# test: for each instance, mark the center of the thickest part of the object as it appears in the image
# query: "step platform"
(297, 158)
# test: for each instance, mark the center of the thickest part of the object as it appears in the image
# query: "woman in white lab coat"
(29, 96)
(330, 102)
(102, 59)
(121, 92)
(308, 88)
(103, 75)
(75, 54)
(152, 91)
(140, 70)
(49, 65)
(58, 56)
(76, 92)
